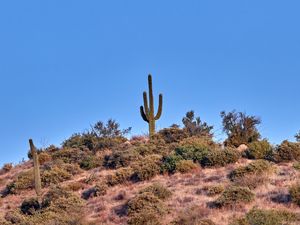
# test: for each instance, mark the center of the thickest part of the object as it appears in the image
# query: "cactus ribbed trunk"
(147, 111)
(36, 168)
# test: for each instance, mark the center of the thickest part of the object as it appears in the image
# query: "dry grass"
(109, 209)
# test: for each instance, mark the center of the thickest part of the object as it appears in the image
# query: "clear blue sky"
(66, 64)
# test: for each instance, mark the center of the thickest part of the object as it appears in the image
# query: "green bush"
(195, 148)
(256, 168)
(24, 181)
(69, 155)
(145, 202)
(295, 193)
(90, 162)
(287, 151)
(233, 196)
(259, 150)
(120, 159)
(158, 190)
(121, 176)
(219, 157)
(267, 217)
(170, 162)
(81, 141)
(146, 168)
(54, 175)
(185, 166)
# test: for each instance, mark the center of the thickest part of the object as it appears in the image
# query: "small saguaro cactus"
(147, 111)
(37, 175)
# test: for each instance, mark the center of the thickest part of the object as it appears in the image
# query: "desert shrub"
(90, 162)
(59, 198)
(173, 134)
(150, 148)
(69, 155)
(6, 168)
(96, 191)
(145, 202)
(267, 217)
(170, 162)
(81, 141)
(252, 181)
(240, 128)
(147, 217)
(195, 127)
(296, 165)
(58, 207)
(74, 186)
(233, 196)
(30, 206)
(110, 143)
(120, 159)
(193, 215)
(295, 193)
(220, 157)
(44, 157)
(158, 190)
(255, 168)
(72, 169)
(213, 190)
(146, 168)
(185, 166)
(195, 153)
(54, 175)
(24, 181)
(287, 151)
(259, 150)
(121, 176)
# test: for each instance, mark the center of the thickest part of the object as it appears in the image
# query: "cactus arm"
(37, 175)
(144, 116)
(146, 108)
(160, 106)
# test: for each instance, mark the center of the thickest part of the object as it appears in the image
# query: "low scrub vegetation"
(287, 151)
(234, 196)
(267, 217)
(295, 193)
(259, 150)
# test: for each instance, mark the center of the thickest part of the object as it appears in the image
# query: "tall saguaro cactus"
(37, 175)
(147, 111)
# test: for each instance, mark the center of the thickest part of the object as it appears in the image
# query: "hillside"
(178, 176)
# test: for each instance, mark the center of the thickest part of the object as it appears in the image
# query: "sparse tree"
(240, 128)
(297, 136)
(194, 126)
(109, 130)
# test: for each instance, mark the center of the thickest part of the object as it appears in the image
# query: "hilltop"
(175, 176)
